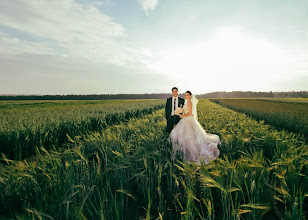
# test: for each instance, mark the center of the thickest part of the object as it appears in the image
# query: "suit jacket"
(168, 108)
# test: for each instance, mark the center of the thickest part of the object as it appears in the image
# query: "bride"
(188, 136)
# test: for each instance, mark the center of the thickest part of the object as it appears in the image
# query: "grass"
(26, 125)
(125, 171)
(292, 116)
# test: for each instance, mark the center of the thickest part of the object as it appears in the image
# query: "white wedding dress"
(188, 137)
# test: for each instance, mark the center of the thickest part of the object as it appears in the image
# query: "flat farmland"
(27, 125)
(289, 114)
(124, 171)
(296, 100)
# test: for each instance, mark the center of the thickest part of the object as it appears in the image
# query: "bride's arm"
(189, 112)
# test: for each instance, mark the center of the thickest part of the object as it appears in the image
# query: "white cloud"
(148, 5)
(63, 27)
(50, 74)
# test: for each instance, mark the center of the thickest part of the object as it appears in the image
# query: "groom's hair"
(174, 88)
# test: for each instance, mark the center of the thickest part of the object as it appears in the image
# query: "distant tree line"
(234, 94)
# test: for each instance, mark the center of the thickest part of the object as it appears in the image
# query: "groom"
(173, 103)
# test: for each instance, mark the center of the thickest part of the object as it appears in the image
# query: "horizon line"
(149, 93)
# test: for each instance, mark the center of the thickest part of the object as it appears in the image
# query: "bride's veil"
(194, 102)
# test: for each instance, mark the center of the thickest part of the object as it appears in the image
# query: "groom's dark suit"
(172, 119)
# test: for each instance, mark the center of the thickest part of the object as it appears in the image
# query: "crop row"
(283, 115)
(296, 100)
(27, 125)
(126, 172)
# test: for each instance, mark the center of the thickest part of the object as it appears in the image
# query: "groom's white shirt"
(176, 104)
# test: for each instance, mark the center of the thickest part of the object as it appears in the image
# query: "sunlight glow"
(224, 60)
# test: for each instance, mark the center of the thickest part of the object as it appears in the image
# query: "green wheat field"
(112, 160)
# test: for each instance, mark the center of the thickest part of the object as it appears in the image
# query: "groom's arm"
(167, 109)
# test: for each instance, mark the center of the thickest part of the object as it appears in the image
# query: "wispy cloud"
(12, 45)
(148, 5)
(63, 27)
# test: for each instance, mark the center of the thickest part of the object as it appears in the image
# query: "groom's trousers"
(171, 122)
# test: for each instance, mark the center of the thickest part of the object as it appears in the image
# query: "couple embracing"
(188, 137)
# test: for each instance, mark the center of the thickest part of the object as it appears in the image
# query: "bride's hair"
(189, 92)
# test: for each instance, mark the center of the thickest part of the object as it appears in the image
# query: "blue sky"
(149, 46)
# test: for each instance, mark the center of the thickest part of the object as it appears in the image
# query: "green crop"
(125, 171)
(27, 125)
(291, 114)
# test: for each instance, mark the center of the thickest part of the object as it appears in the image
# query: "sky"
(149, 46)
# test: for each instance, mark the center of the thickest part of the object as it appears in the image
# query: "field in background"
(290, 114)
(125, 171)
(296, 100)
(26, 125)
